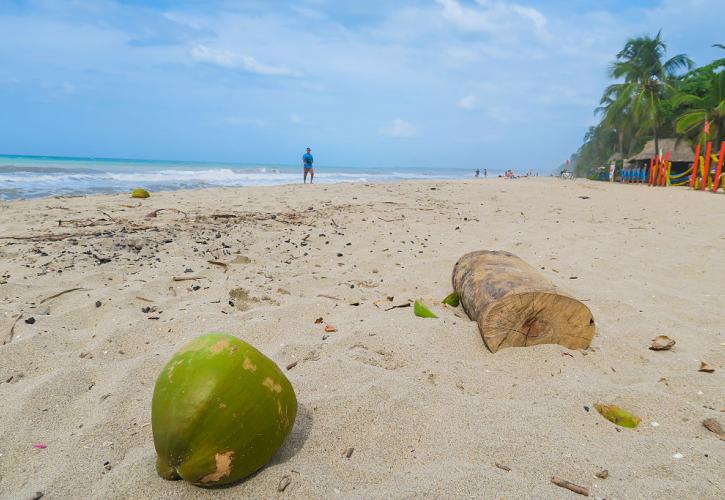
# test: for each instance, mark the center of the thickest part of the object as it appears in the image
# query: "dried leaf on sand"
(661, 343)
(714, 426)
(705, 367)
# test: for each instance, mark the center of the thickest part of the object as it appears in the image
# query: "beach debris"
(156, 212)
(140, 193)
(61, 293)
(107, 465)
(248, 391)
(188, 278)
(662, 343)
(678, 456)
(220, 264)
(618, 416)
(503, 467)
(563, 483)
(330, 329)
(406, 304)
(331, 297)
(99, 303)
(37, 495)
(12, 329)
(381, 302)
(452, 299)
(144, 299)
(283, 291)
(292, 365)
(654, 424)
(40, 446)
(283, 483)
(583, 197)
(714, 426)
(603, 474)
(515, 306)
(318, 321)
(704, 366)
(30, 320)
(349, 452)
(422, 311)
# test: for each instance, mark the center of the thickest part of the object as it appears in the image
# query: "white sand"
(428, 410)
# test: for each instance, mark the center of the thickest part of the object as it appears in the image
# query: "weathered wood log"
(515, 306)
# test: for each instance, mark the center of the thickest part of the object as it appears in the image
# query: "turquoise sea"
(37, 176)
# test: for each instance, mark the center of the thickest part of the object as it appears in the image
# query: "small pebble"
(30, 320)
(195, 287)
(654, 424)
(678, 456)
(339, 254)
(188, 270)
(98, 303)
(37, 495)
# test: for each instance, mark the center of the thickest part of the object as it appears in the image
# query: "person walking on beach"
(307, 161)
(478, 172)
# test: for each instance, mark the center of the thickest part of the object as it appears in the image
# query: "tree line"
(654, 97)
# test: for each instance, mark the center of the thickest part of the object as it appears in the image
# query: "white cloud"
(493, 16)
(399, 128)
(228, 59)
(468, 102)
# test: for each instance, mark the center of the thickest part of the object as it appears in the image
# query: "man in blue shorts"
(307, 161)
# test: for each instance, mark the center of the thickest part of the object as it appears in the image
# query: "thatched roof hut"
(680, 151)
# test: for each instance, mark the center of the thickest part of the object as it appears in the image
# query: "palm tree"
(647, 79)
(616, 115)
(709, 107)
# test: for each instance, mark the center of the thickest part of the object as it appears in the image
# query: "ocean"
(38, 176)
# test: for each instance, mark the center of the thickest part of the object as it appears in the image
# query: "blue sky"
(468, 83)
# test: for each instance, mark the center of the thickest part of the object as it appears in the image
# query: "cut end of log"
(515, 306)
(532, 318)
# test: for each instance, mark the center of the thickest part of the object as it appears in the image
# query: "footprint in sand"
(244, 301)
(380, 358)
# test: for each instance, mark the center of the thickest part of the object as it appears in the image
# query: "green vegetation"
(653, 97)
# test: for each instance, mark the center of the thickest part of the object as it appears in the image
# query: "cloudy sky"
(470, 83)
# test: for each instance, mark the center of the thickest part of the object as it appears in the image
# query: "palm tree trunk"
(657, 141)
(621, 145)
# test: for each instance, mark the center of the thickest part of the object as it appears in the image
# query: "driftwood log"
(515, 306)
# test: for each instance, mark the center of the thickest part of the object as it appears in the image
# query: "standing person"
(307, 161)
(485, 172)
(478, 172)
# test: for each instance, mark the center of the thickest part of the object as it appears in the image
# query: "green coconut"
(220, 411)
(140, 193)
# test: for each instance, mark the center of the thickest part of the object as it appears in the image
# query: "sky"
(434, 83)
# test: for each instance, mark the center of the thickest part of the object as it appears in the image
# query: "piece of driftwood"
(515, 306)
(570, 486)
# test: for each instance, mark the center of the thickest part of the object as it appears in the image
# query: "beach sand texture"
(426, 410)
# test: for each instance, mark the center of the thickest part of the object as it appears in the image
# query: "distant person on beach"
(307, 161)
(478, 172)
(485, 172)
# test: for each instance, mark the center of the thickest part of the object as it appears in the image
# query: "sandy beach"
(425, 408)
